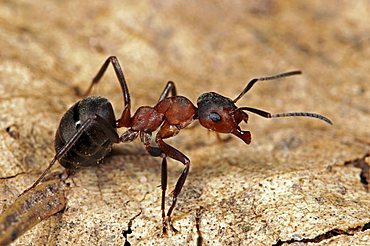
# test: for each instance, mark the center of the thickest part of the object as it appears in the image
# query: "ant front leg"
(177, 155)
(164, 188)
(167, 131)
(145, 138)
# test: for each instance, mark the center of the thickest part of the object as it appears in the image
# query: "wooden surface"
(289, 185)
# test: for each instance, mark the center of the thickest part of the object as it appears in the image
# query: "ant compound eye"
(215, 117)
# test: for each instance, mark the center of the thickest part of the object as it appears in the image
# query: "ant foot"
(164, 228)
(171, 226)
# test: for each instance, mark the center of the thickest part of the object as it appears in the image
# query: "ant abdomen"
(94, 142)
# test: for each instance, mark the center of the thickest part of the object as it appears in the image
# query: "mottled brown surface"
(290, 184)
(31, 208)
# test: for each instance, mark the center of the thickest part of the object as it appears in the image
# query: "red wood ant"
(89, 128)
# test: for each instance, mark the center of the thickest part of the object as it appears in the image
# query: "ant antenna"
(291, 114)
(253, 81)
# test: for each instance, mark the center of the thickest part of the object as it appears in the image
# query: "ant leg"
(155, 151)
(165, 150)
(119, 74)
(145, 138)
(128, 136)
(69, 144)
(176, 155)
(170, 87)
(124, 120)
(164, 187)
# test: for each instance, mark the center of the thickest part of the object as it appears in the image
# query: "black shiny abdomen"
(94, 144)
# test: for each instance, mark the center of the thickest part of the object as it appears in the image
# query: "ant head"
(219, 114)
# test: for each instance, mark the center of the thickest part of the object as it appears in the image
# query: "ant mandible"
(88, 129)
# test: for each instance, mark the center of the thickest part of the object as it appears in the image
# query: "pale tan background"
(280, 187)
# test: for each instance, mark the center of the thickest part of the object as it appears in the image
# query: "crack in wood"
(13, 176)
(365, 180)
(129, 230)
(325, 236)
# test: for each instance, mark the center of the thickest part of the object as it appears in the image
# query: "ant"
(89, 128)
